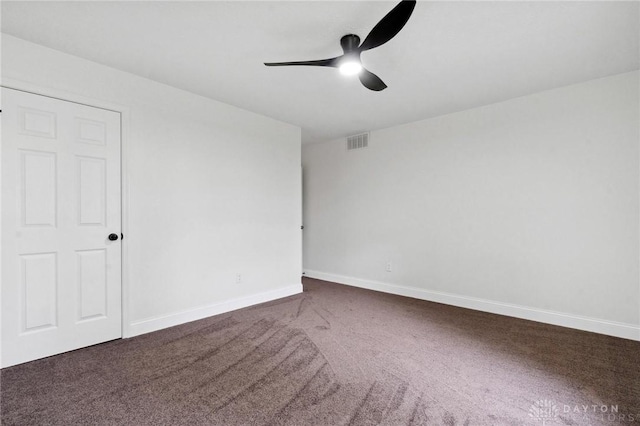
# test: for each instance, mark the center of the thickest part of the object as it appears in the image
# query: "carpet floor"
(336, 355)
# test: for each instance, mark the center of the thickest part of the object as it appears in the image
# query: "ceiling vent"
(358, 141)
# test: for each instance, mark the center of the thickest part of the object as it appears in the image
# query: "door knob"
(113, 237)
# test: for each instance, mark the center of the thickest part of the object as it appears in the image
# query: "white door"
(61, 280)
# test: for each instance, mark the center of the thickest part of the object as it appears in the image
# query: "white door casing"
(61, 275)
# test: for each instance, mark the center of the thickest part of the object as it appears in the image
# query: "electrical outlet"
(388, 268)
(238, 278)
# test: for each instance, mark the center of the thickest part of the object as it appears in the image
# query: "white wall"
(213, 190)
(528, 207)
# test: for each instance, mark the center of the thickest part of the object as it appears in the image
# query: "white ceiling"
(449, 57)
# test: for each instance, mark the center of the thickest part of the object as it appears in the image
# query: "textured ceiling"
(450, 56)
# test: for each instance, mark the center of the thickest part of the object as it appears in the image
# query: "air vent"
(358, 141)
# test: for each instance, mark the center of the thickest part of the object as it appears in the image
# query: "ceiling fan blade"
(389, 26)
(371, 81)
(332, 62)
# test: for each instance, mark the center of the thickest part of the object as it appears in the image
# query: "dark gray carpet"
(336, 355)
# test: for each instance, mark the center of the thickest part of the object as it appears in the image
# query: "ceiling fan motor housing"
(349, 43)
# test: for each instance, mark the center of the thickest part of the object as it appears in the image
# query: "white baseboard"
(158, 323)
(611, 328)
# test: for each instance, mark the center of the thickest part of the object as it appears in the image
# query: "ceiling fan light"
(350, 67)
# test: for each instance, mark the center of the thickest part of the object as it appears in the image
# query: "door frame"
(125, 117)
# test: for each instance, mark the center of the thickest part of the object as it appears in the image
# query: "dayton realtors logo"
(547, 412)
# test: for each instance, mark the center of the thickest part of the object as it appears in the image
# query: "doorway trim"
(125, 117)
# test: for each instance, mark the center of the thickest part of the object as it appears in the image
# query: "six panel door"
(61, 275)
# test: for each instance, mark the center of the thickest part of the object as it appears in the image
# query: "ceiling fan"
(349, 63)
